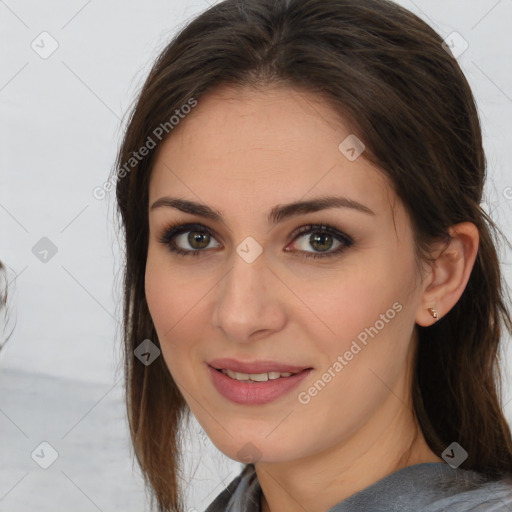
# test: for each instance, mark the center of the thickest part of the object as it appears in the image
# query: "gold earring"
(433, 312)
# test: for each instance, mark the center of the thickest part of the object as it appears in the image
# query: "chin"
(254, 450)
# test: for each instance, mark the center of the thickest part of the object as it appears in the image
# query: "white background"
(61, 122)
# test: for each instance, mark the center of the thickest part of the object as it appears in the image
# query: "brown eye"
(201, 239)
(194, 239)
(321, 238)
(195, 236)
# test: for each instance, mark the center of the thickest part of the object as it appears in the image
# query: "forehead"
(262, 147)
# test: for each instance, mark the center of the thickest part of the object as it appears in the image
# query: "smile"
(255, 388)
(256, 377)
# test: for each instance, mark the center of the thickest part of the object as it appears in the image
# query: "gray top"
(426, 487)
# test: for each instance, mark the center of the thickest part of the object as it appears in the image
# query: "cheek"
(156, 283)
(167, 300)
(356, 298)
(367, 303)
(176, 306)
(167, 294)
(364, 350)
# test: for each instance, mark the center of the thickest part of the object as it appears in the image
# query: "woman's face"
(252, 289)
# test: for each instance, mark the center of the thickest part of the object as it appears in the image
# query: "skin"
(242, 153)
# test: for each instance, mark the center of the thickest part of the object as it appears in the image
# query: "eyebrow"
(276, 215)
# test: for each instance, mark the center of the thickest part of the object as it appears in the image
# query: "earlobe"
(433, 312)
(450, 274)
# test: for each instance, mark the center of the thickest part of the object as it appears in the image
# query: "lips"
(255, 393)
(254, 367)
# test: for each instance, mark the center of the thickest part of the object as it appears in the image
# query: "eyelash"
(174, 229)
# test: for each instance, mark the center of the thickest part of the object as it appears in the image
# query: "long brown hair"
(388, 73)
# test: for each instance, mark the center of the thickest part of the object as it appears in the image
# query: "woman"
(300, 185)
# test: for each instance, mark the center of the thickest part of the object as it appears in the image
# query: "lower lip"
(254, 393)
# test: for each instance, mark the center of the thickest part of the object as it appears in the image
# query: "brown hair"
(385, 71)
(4, 304)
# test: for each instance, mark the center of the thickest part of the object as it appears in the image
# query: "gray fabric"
(426, 487)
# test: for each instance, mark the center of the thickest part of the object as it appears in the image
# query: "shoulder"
(241, 495)
(489, 496)
(432, 487)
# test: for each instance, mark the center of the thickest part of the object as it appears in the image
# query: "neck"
(318, 482)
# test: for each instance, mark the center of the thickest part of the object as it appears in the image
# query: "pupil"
(321, 237)
(193, 238)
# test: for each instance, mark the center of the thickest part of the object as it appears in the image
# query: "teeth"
(258, 377)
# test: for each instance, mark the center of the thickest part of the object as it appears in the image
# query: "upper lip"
(263, 366)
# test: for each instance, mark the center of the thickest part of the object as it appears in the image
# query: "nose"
(250, 302)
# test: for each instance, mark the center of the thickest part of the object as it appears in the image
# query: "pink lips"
(255, 393)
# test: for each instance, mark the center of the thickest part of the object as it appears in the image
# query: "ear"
(448, 277)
